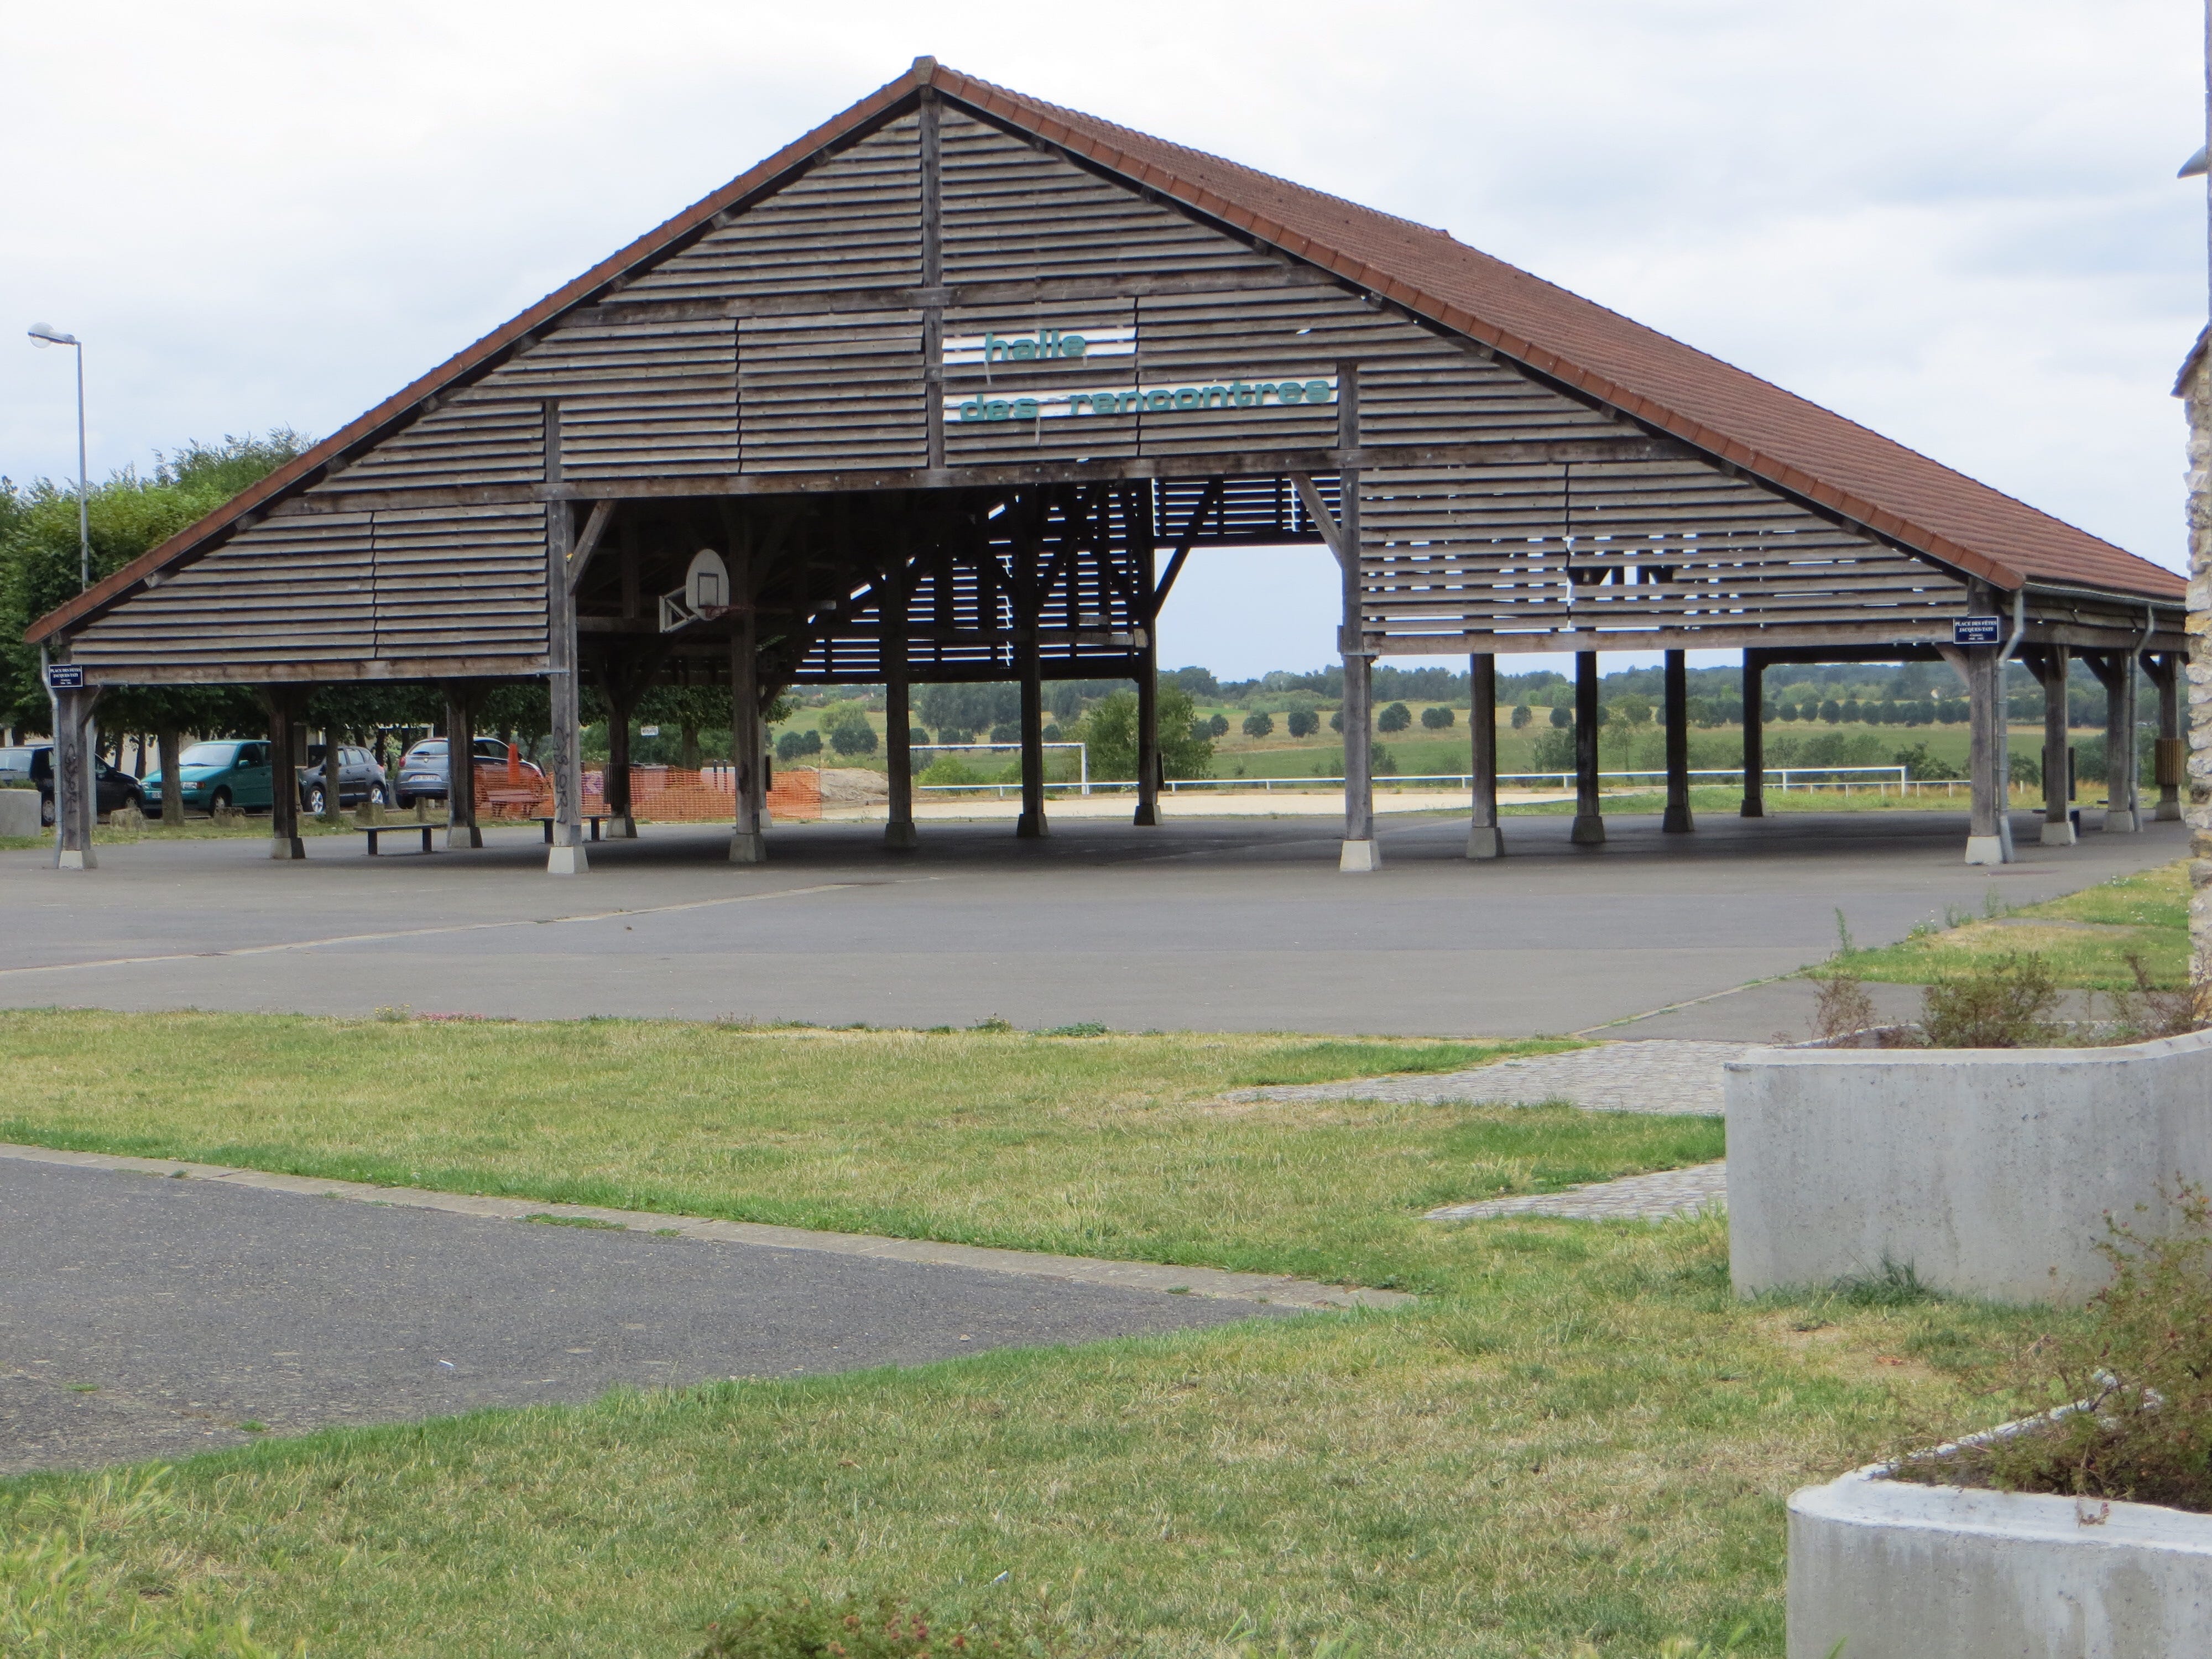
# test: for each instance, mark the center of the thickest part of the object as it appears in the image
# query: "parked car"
(35, 762)
(423, 770)
(360, 778)
(225, 772)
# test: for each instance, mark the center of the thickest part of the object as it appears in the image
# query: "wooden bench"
(592, 818)
(373, 831)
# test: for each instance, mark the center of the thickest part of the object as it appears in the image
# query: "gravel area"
(1656, 1076)
(1632, 1198)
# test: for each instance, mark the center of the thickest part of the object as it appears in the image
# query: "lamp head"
(2194, 168)
(45, 334)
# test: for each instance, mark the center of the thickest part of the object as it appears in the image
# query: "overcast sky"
(1956, 222)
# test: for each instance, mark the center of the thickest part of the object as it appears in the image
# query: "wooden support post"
(564, 686)
(898, 715)
(2172, 751)
(77, 778)
(749, 838)
(1754, 735)
(461, 829)
(288, 756)
(333, 813)
(172, 782)
(1361, 853)
(1985, 751)
(622, 705)
(1589, 822)
(1148, 692)
(2117, 670)
(1674, 708)
(2052, 663)
(1032, 825)
(1485, 838)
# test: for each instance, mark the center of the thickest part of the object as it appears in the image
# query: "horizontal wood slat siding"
(1016, 213)
(306, 588)
(835, 391)
(1454, 552)
(471, 442)
(970, 443)
(853, 221)
(655, 399)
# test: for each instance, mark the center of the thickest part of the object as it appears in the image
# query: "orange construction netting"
(661, 795)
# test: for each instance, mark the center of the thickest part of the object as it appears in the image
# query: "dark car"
(423, 770)
(36, 762)
(360, 778)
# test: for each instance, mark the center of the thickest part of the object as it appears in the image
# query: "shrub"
(2004, 1003)
(1383, 763)
(1396, 718)
(1051, 733)
(1302, 722)
(916, 738)
(955, 734)
(2133, 1383)
(2147, 1012)
(1562, 717)
(846, 726)
(1841, 1005)
(1522, 714)
(1202, 731)
(1918, 763)
(949, 769)
(1259, 723)
(1005, 732)
(1435, 719)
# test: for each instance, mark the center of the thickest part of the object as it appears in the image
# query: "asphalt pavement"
(1210, 925)
(143, 1316)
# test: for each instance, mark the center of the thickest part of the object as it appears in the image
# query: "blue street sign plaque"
(1978, 631)
(65, 676)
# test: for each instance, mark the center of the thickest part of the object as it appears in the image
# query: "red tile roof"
(1668, 385)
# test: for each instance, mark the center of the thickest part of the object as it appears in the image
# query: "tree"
(1008, 732)
(846, 726)
(1110, 733)
(1632, 707)
(1195, 682)
(1562, 717)
(1832, 711)
(693, 710)
(1302, 722)
(1436, 720)
(1217, 725)
(1522, 715)
(1396, 718)
(1259, 723)
(796, 745)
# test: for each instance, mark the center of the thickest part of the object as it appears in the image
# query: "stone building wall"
(2195, 388)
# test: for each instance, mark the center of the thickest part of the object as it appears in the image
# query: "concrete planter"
(19, 812)
(1989, 1171)
(1895, 1570)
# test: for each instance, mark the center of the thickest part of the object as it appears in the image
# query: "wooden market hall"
(950, 390)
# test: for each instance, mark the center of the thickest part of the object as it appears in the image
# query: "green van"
(233, 772)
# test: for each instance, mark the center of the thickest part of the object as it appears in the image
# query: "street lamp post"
(42, 335)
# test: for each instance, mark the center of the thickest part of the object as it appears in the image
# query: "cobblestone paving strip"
(1657, 1075)
(1632, 1198)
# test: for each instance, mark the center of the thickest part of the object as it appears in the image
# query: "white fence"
(1881, 778)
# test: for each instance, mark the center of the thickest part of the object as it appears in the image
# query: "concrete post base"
(566, 862)
(286, 847)
(748, 847)
(2119, 824)
(1984, 849)
(1031, 827)
(1589, 831)
(901, 837)
(462, 838)
(1754, 809)
(70, 859)
(1146, 816)
(621, 828)
(1677, 821)
(1485, 841)
(1360, 856)
(2169, 812)
(2060, 834)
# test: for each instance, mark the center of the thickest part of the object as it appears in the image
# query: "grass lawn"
(2086, 937)
(1578, 1434)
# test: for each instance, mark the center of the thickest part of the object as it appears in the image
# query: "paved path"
(1659, 1076)
(1632, 1198)
(149, 1317)
(1199, 925)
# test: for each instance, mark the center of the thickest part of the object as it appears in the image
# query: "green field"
(1578, 1439)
